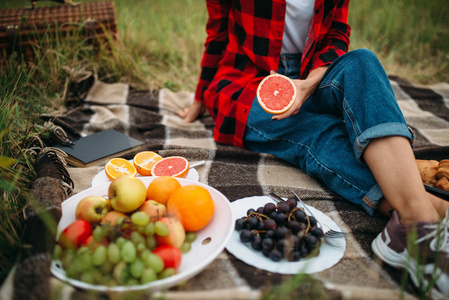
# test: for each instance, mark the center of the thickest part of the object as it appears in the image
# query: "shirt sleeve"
(336, 41)
(216, 41)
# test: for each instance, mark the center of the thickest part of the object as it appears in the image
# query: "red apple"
(112, 216)
(92, 209)
(154, 209)
(176, 235)
(75, 234)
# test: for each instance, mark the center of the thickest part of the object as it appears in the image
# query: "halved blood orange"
(175, 166)
(117, 167)
(276, 93)
(144, 161)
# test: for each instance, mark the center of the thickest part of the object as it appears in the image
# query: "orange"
(192, 205)
(175, 166)
(117, 167)
(144, 161)
(161, 188)
(276, 93)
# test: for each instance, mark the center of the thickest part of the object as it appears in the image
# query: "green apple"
(126, 193)
(92, 209)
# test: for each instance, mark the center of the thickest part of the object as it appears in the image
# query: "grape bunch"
(123, 254)
(280, 231)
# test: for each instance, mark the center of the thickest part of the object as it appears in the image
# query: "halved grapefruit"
(175, 166)
(276, 93)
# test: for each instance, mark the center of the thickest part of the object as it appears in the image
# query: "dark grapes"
(292, 202)
(246, 235)
(280, 232)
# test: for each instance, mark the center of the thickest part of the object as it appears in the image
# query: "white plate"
(101, 177)
(329, 255)
(210, 241)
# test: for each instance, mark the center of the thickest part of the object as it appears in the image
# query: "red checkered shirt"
(244, 39)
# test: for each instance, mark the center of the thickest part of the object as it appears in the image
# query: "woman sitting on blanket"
(345, 127)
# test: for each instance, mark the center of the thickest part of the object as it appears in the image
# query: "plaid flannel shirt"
(244, 39)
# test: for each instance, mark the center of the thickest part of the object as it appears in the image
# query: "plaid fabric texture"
(244, 38)
(238, 173)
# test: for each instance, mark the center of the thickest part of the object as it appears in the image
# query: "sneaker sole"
(399, 261)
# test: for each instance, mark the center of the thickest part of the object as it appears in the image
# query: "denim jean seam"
(311, 154)
(351, 118)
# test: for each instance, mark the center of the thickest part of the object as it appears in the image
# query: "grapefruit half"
(276, 93)
(174, 166)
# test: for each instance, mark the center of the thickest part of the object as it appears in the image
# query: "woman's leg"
(393, 165)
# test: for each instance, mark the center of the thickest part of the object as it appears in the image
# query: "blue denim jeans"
(353, 104)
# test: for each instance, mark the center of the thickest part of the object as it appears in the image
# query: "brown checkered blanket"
(237, 173)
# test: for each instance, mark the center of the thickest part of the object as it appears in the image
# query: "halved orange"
(144, 161)
(174, 166)
(117, 167)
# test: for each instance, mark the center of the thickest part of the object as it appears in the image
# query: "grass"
(160, 45)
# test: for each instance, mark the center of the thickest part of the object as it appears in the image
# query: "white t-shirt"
(298, 17)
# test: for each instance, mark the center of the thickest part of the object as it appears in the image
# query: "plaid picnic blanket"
(150, 116)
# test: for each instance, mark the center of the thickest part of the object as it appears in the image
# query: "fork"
(328, 233)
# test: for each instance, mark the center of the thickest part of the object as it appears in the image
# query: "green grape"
(113, 253)
(151, 242)
(131, 281)
(161, 229)
(144, 254)
(136, 268)
(82, 250)
(57, 252)
(154, 262)
(140, 218)
(185, 247)
(190, 236)
(141, 246)
(67, 258)
(148, 275)
(98, 233)
(99, 256)
(128, 252)
(120, 241)
(149, 229)
(90, 276)
(86, 260)
(120, 272)
(167, 273)
(111, 282)
(106, 268)
(141, 229)
(136, 238)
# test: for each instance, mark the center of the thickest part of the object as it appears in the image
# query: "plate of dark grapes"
(281, 237)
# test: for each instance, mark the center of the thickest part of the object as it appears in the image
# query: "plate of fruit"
(147, 163)
(147, 233)
(282, 238)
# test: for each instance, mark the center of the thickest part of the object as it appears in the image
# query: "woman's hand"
(304, 89)
(190, 114)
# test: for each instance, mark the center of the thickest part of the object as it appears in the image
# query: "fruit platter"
(145, 234)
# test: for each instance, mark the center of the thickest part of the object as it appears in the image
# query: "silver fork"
(328, 233)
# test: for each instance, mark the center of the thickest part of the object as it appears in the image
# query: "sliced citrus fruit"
(117, 167)
(276, 93)
(161, 188)
(192, 205)
(144, 161)
(175, 166)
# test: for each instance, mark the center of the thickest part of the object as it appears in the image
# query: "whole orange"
(192, 205)
(161, 188)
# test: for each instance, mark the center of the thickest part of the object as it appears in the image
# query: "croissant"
(443, 175)
(428, 170)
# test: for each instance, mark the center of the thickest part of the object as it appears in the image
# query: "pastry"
(428, 170)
